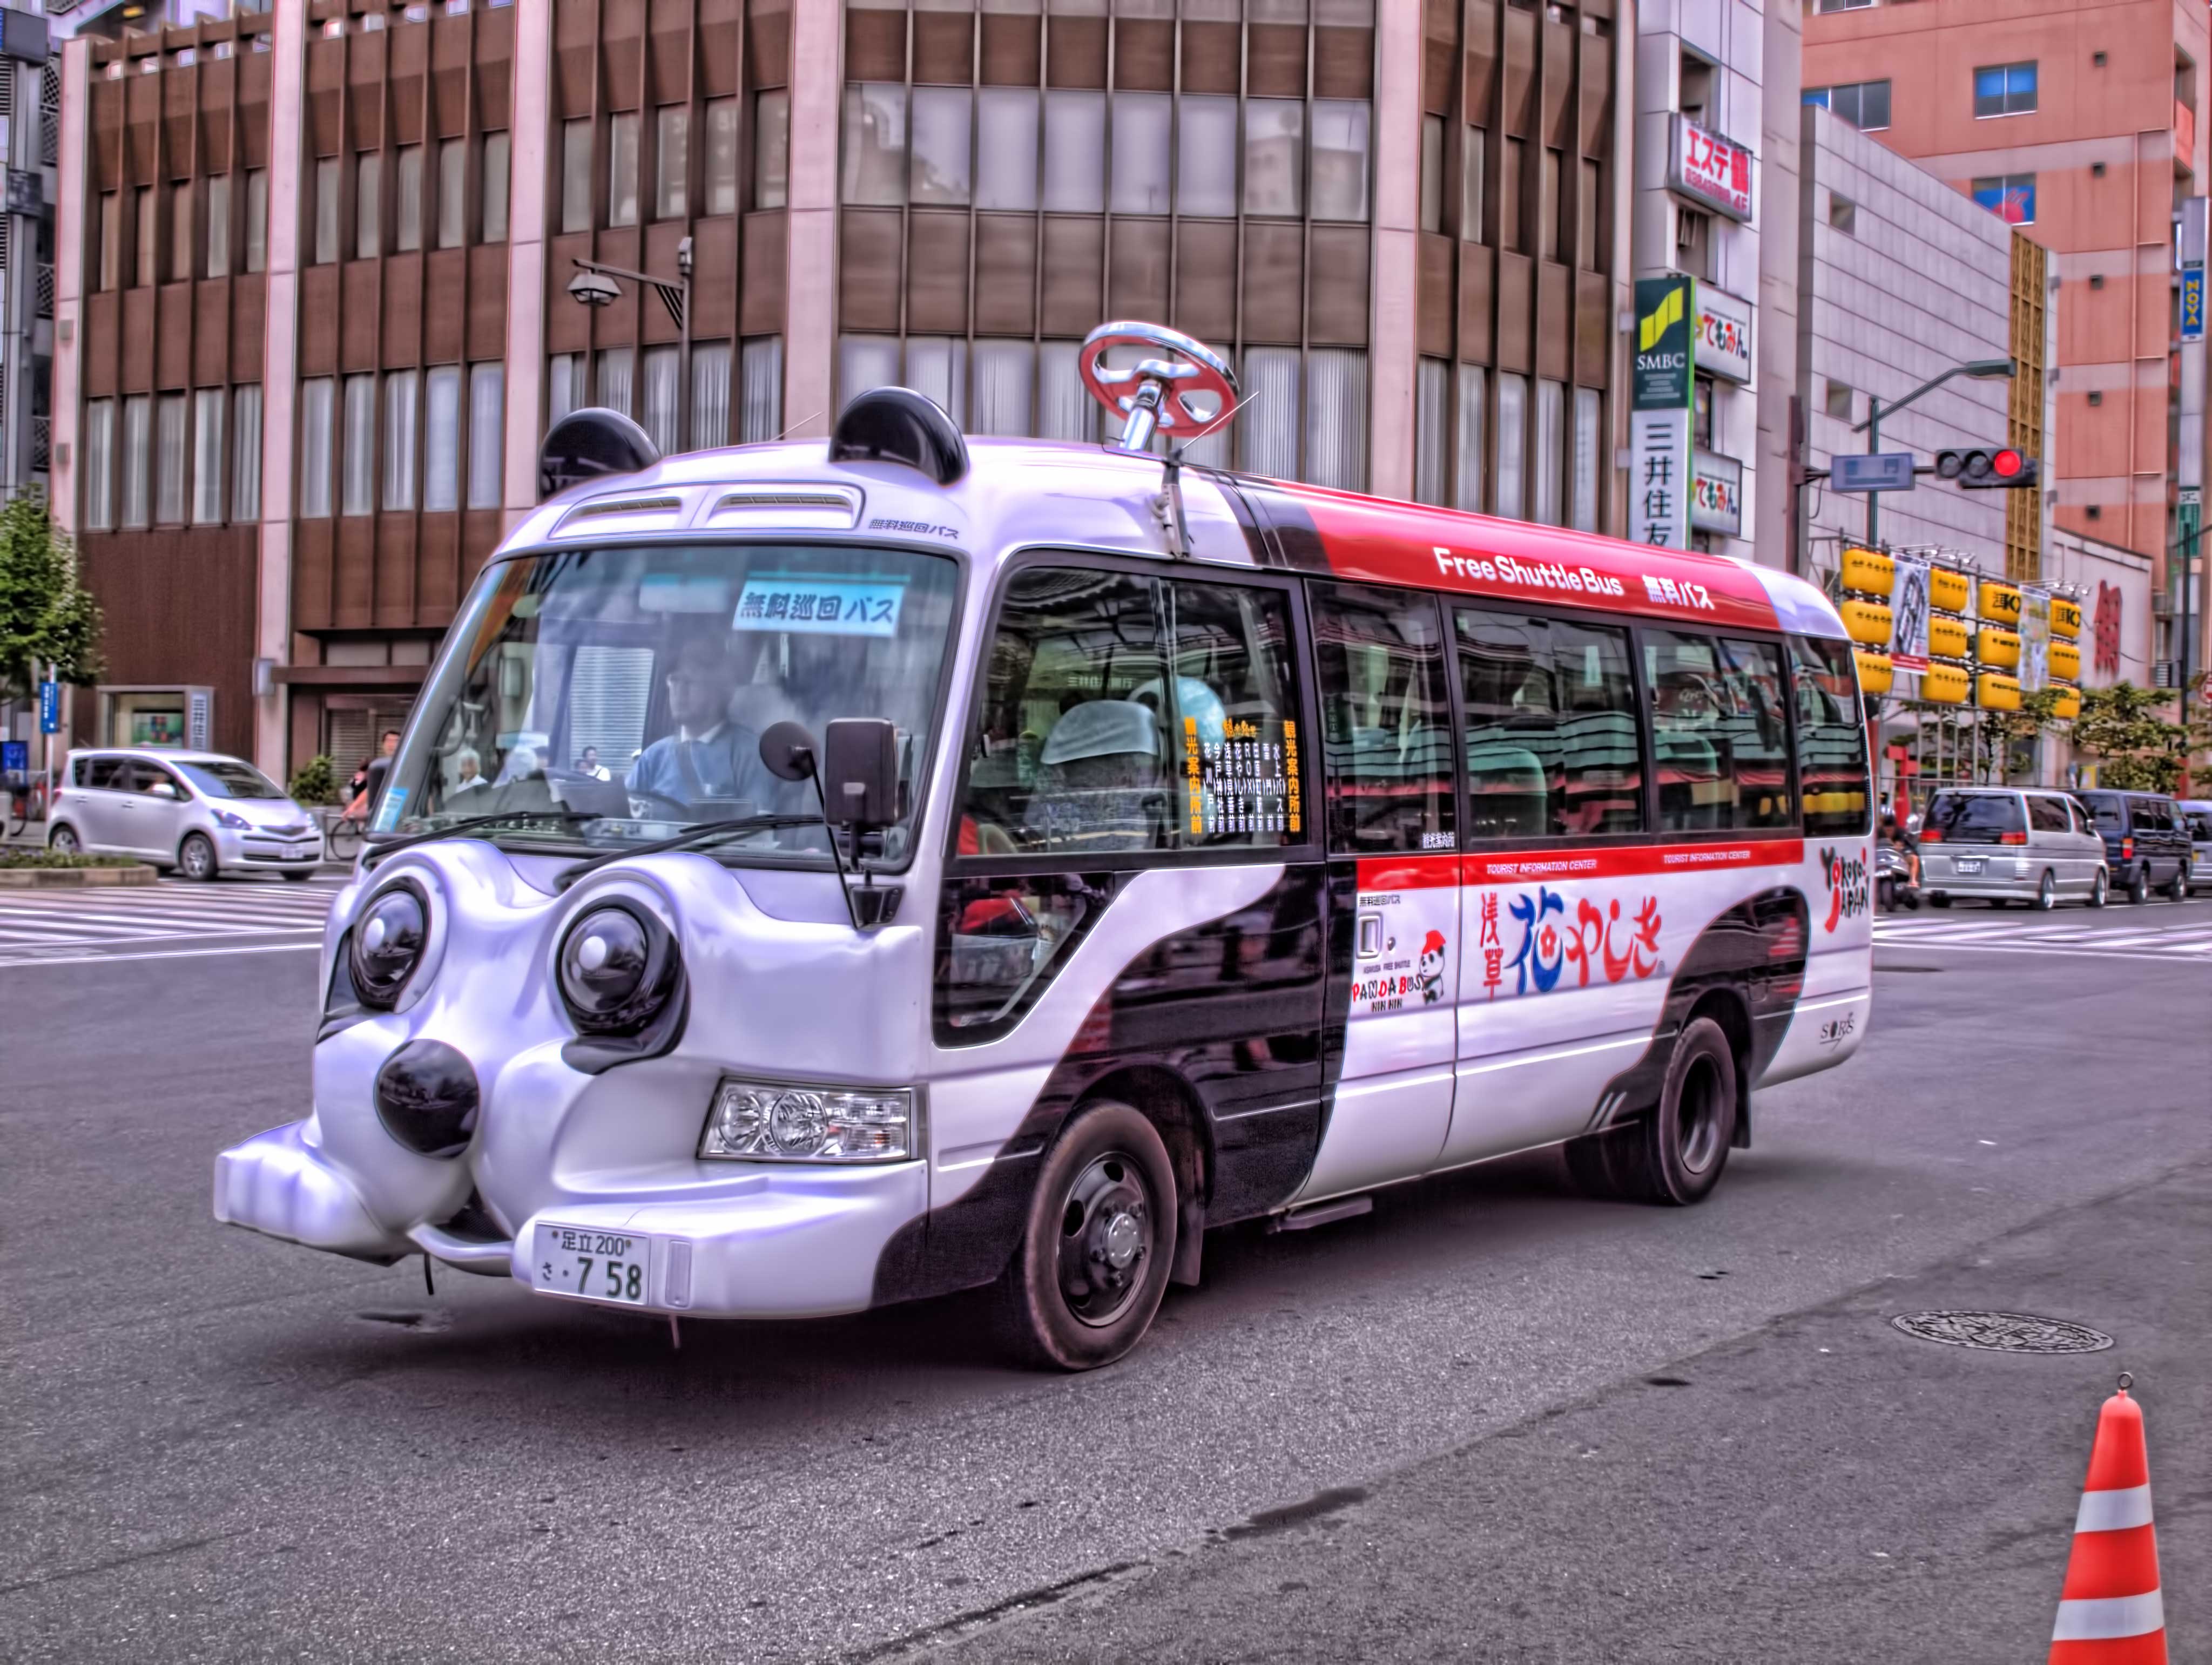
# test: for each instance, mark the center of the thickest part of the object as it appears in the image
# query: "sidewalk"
(1823, 1489)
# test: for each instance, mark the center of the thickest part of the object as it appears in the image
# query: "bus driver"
(708, 757)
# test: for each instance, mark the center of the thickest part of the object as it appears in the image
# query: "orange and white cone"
(2110, 1612)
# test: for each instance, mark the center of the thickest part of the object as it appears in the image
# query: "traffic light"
(2001, 470)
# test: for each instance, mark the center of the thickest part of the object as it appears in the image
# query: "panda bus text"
(817, 875)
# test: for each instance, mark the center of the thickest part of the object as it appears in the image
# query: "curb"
(69, 878)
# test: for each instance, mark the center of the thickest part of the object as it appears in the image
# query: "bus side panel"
(1198, 984)
(1837, 1003)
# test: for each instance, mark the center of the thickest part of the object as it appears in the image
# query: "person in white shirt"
(708, 757)
(588, 765)
(469, 768)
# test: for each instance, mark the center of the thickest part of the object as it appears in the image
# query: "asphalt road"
(1431, 1432)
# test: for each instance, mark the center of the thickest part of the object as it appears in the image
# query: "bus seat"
(1100, 785)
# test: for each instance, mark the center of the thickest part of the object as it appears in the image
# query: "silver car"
(198, 812)
(2008, 844)
(2197, 813)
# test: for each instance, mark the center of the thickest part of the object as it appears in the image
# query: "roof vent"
(656, 512)
(827, 508)
(591, 444)
(898, 425)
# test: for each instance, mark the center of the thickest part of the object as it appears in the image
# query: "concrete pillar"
(531, 147)
(810, 346)
(1394, 338)
(280, 377)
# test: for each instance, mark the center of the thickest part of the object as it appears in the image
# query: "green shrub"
(21, 857)
(314, 783)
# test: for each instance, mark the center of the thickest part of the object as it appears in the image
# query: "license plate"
(1967, 863)
(606, 1266)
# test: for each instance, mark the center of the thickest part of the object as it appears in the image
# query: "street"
(1490, 1420)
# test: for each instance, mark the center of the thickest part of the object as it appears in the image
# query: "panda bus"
(821, 875)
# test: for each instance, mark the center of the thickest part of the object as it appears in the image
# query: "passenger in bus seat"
(1100, 783)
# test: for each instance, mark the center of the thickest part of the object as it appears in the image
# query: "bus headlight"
(616, 971)
(386, 945)
(786, 1121)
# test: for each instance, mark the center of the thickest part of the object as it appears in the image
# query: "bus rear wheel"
(1093, 1262)
(1675, 1154)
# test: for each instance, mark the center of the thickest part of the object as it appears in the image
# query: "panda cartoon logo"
(1431, 974)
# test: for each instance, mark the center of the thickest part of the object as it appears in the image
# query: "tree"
(2005, 735)
(46, 616)
(2137, 749)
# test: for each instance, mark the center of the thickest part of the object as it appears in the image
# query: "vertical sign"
(1908, 616)
(195, 719)
(2035, 671)
(2192, 303)
(1661, 484)
(50, 708)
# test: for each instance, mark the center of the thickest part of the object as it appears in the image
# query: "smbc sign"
(1662, 483)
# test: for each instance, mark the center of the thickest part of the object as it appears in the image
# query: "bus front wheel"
(1675, 1154)
(1094, 1259)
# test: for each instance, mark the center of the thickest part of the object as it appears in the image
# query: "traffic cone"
(2110, 1612)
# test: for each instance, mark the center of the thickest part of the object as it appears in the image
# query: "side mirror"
(787, 751)
(860, 772)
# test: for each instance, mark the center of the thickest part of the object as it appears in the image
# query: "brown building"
(2079, 125)
(313, 310)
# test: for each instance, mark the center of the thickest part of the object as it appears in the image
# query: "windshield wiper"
(696, 836)
(470, 824)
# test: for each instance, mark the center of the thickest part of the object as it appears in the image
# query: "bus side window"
(1386, 727)
(1720, 743)
(1832, 745)
(1552, 749)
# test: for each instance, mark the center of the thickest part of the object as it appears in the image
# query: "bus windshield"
(611, 696)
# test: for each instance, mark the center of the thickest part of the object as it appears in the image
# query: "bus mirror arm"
(856, 771)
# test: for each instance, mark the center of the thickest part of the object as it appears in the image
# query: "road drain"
(2002, 1332)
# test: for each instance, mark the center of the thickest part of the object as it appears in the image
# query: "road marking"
(166, 954)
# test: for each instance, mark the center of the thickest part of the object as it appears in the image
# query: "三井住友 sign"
(1723, 335)
(1716, 496)
(1714, 170)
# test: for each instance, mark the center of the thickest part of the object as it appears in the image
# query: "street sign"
(2192, 303)
(1883, 471)
(14, 763)
(50, 708)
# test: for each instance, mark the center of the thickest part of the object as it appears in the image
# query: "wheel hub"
(1105, 1239)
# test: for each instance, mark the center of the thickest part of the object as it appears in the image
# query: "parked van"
(2145, 842)
(2197, 813)
(2008, 845)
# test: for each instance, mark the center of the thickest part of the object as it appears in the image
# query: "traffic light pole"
(1980, 369)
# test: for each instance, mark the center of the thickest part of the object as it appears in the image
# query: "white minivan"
(198, 812)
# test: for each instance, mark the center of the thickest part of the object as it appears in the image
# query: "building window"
(183, 247)
(1845, 5)
(1551, 450)
(1701, 412)
(614, 379)
(493, 164)
(1336, 418)
(1471, 148)
(760, 389)
(1206, 157)
(1267, 426)
(453, 192)
(874, 163)
(721, 169)
(407, 199)
(208, 410)
(621, 168)
(663, 388)
(1512, 226)
(938, 165)
(576, 174)
(564, 385)
(672, 161)
(1144, 125)
(1589, 451)
(1074, 152)
(1512, 447)
(317, 400)
(2010, 197)
(1432, 426)
(169, 460)
(137, 454)
(1843, 214)
(2004, 89)
(146, 217)
(771, 147)
(256, 219)
(1007, 149)
(99, 463)
(357, 482)
(1589, 213)
(1002, 374)
(1551, 235)
(1473, 382)
(710, 393)
(441, 439)
(487, 412)
(245, 453)
(1340, 158)
(218, 225)
(1838, 404)
(1274, 156)
(1432, 174)
(367, 205)
(110, 265)
(326, 210)
(1864, 104)
(401, 390)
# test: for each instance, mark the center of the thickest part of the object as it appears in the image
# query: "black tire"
(1674, 1155)
(1106, 1188)
(294, 875)
(2099, 889)
(2178, 890)
(2047, 894)
(196, 858)
(1938, 900)
(63, 840)
(2139, 885)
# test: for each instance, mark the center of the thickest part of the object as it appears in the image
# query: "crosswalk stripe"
(59, 927)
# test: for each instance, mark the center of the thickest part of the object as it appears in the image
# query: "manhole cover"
(2002, 1332)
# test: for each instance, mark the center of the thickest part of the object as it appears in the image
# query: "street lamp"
(1980, 369)
(595, 285)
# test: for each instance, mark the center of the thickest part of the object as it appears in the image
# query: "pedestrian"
(589, 765)
(373, 775)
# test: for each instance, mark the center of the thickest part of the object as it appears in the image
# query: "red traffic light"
(2001, 469)
(2006, 464)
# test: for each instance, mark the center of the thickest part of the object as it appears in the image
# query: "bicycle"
(342, 838)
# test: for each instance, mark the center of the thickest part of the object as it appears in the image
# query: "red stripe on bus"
(1619, 861)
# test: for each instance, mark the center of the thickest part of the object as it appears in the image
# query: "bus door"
(1393, 883)
(1560, 972)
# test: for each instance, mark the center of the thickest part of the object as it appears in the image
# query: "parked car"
(2008, 844)
(198, 812)
(2145, 842)
(2197, 812)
